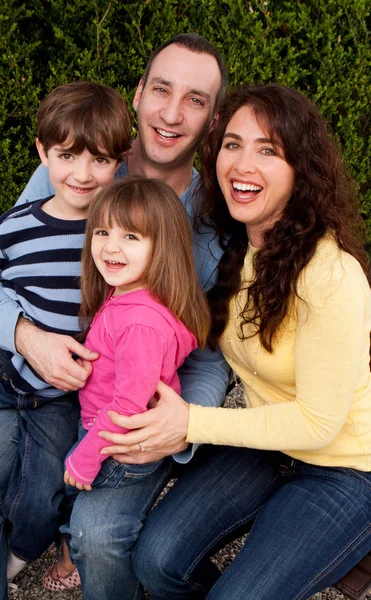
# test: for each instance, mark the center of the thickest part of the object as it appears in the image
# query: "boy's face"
(76, 178)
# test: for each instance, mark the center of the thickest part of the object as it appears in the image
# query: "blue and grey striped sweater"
(40, 269)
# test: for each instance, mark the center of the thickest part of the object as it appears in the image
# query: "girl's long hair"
(151, 208)
(323, 202)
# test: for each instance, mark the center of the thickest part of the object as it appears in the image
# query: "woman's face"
(253, 174)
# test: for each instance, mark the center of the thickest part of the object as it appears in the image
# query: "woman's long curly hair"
(323, 202)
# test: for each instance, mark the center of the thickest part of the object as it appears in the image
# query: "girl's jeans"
(312, 525)
(35, 435)
(106, 521)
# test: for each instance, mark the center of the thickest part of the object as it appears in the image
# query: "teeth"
(167, 133)
(83, 189)
(113, 262)
(246, 187)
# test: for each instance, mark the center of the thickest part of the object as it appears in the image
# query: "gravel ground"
(30, 588)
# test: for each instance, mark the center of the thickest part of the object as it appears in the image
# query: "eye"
(66, 156)
(131, 237)
(268, 152)
(197, 102)
(101, 160)
(100, 232)
(160, 90)
(231, 146)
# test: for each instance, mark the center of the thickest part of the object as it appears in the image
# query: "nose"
(246, 162)
(111, 246)
(82, 171)
(172, 112)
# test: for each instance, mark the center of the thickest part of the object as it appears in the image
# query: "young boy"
(82, 137)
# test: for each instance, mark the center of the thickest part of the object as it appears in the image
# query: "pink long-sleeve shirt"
(139, 342)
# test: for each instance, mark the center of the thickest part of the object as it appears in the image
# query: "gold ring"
(142, 448)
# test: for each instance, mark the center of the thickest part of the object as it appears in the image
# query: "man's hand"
(69, 480)
(157, 433)
(50, 354)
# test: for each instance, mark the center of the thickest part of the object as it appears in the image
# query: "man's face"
(176, 106)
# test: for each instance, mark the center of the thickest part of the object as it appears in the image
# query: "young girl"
(146, 312)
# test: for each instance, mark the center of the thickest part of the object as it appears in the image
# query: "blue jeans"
(113, 474)
(8, 454)
(105, 524)
(35, 434)
(311, 525)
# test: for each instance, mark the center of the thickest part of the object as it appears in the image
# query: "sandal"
(59, 583)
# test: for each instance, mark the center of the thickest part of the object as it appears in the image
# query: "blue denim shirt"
(205, 374)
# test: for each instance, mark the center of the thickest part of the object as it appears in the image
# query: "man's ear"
(138, 95)
(43, 155)
(214, 121)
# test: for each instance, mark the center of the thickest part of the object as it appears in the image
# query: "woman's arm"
(329, 349)
(330, 345)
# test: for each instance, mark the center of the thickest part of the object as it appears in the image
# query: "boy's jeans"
(35, 435)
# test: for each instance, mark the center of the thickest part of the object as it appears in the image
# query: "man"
(176, 102)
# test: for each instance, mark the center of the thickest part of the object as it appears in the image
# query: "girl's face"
(253, 174)
(121, 257)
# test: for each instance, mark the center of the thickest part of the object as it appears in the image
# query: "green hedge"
(321, 47)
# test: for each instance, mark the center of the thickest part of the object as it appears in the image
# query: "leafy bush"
(320, 47)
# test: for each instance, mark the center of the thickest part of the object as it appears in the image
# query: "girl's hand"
(161, 431)
(69, 480)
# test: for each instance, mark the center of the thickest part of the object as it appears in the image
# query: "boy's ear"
(120, 161)
(123, 157)
(138, 95)
(43, 155)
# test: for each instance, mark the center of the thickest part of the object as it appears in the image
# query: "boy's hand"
(50, 354)
(69, 480)
(85, 364)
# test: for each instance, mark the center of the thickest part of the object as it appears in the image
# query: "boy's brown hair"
(149, 207)
(86, 115)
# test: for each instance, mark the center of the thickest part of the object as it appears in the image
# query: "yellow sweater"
(310, 398)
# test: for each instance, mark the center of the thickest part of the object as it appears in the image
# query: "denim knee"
(95, 538)
(161, 571)
(156, 561)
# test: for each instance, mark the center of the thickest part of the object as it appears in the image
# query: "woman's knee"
(153, 556)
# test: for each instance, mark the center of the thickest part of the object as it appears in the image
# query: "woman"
(292, 313)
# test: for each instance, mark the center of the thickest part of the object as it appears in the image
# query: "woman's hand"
(156, 433)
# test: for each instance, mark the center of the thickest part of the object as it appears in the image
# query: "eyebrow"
(262, 140)
(68, 150)
(193, 91)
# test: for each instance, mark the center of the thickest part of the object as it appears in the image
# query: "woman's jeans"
(35, 435)
(105, 524)
(311, 525)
